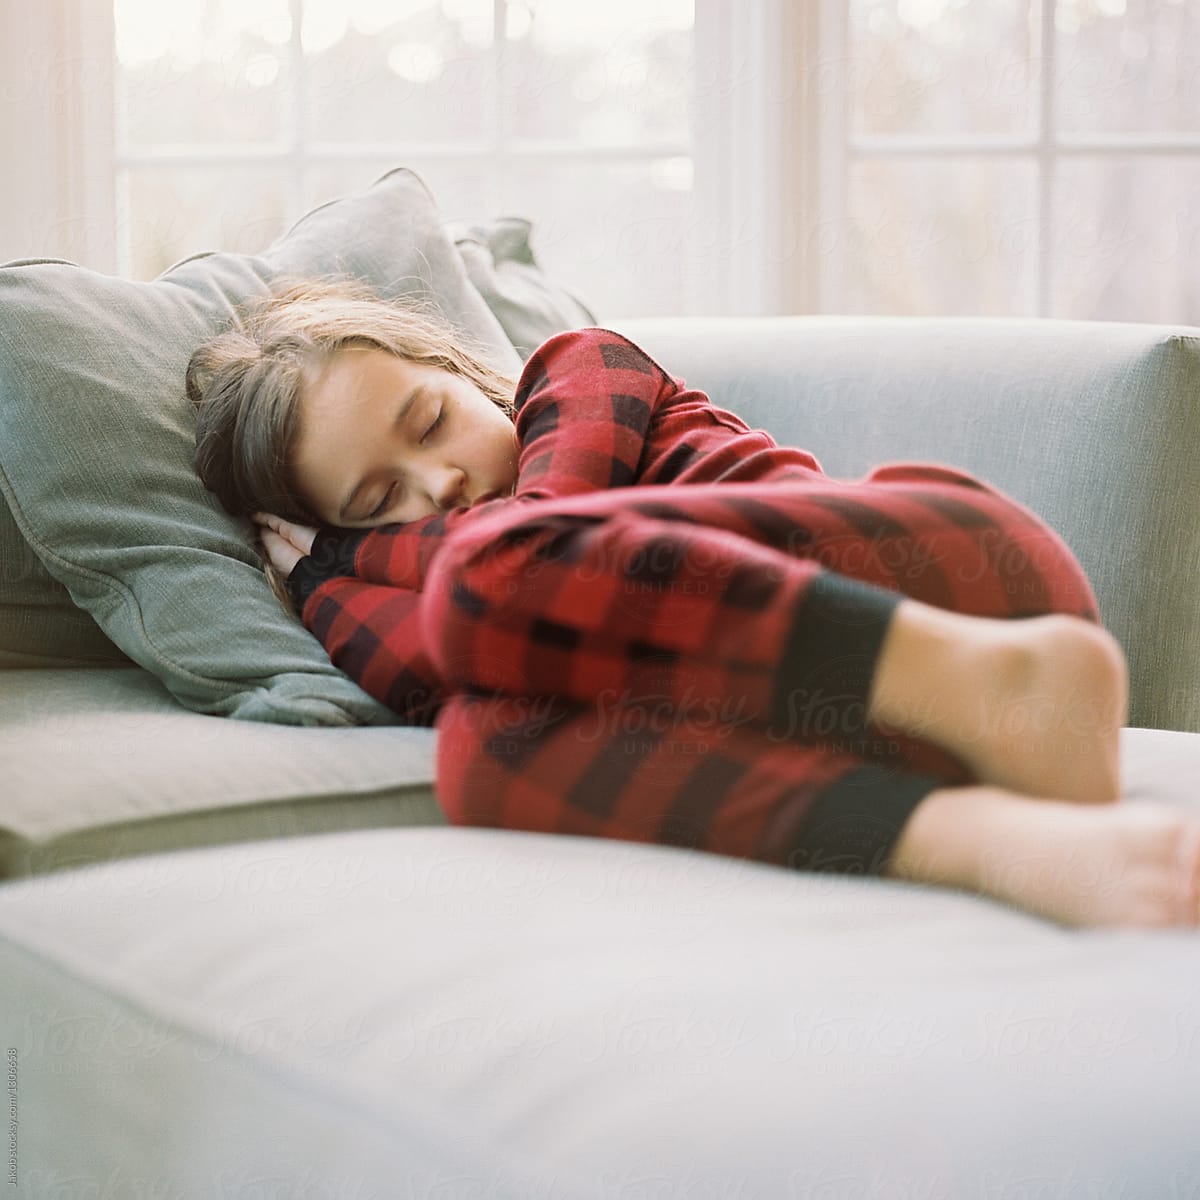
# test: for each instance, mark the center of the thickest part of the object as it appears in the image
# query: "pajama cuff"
(853, 827)
(829, 659)
(333, 553)
(302, 582)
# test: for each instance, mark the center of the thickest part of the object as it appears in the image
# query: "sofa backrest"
(1095, 426)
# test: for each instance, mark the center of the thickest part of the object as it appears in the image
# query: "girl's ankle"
(932, 669)
(943, 839)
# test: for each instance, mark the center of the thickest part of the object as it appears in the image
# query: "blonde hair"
(246, 384)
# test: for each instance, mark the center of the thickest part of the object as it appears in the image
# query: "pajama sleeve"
(596, 412)
(372, 633)
(585, 403)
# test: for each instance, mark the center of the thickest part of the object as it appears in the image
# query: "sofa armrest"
(1093, 425)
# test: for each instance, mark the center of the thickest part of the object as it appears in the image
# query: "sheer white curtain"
(56, 73)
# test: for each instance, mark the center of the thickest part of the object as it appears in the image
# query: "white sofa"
(238, 962)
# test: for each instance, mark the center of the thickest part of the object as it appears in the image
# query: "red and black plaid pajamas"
(669, 633)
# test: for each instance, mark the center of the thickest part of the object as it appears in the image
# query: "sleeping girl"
(629, 615)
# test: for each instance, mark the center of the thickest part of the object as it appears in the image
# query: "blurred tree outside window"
(989, 157)
(235, 116)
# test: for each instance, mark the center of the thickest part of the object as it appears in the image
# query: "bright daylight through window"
(988, 157)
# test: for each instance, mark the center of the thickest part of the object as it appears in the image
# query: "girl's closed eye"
(382, 505)
(434, 427)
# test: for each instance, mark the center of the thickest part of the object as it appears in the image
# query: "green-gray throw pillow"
(528, 304)
(40, 625)
(96, 444)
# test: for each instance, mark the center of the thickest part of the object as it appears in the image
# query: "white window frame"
(296, 152)
(743, 179)
(772, 150)
(71, 202)
(1046, 148)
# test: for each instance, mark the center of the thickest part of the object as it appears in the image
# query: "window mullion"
(711, 159)
(799, 149)
(296, 127)
(496, 135)
(933, 147)
(1047, 161)
(836, 152)
(762, 204)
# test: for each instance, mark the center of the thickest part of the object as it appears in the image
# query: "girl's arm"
(369, 631)
(373, 634)
(585, 403)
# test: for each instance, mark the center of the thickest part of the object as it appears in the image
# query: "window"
(965, 157)
(234, 116)
(1003, 157)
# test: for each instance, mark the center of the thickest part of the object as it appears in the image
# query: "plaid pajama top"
(593, 412)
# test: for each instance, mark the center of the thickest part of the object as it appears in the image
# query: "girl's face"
(384, 439)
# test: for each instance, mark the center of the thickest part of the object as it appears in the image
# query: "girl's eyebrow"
(401, 413)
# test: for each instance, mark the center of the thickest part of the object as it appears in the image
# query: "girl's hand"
(285, 543)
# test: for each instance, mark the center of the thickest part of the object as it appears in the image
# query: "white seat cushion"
(104, 763)
(463, 1013)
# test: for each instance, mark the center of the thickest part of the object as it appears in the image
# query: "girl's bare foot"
(1133, 864)
(1033, 705)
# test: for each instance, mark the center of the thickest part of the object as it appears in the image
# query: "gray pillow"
(96, 444)
(528, 304)
(40, 625)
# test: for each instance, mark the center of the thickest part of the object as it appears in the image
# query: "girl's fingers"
(281, 552)
(300, 536)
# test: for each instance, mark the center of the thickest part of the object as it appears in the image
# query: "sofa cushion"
(96, 445)
(458, 1013)
(525, 300)
(102, 764)
(40, 625)
(1093, 425)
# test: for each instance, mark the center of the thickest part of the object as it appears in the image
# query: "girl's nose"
(446, 487)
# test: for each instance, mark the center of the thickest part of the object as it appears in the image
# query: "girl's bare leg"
(1135, 864)
(1033, 705)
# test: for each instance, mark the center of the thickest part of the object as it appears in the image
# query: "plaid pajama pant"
(690, 664)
